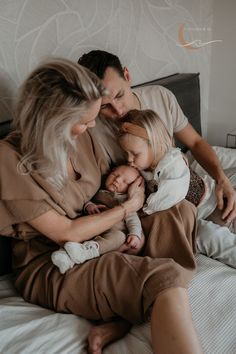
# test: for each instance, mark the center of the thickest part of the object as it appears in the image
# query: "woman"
(49, 167)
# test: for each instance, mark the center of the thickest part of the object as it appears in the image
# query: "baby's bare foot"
(99, 336)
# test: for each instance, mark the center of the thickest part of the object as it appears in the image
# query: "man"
(121, 99)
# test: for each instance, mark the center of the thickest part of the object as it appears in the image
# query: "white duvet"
(27, 328)
(212, 240)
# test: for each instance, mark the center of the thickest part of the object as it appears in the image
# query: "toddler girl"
(168, 178)
(150, 149)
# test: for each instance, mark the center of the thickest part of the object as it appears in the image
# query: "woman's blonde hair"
(52, 99)
(158, 136)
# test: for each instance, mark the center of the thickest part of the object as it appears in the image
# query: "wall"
(144, 33)
(222, 117)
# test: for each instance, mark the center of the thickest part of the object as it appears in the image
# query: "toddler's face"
(120, 178)
(139, 152)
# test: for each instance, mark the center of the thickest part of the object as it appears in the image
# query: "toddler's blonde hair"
(158, 135)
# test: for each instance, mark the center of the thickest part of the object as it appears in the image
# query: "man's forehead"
(111, 75)
(112, 80)
(111, 94)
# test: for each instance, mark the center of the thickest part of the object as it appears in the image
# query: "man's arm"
(207, 158)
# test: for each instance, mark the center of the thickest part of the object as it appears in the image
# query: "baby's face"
(120, 178)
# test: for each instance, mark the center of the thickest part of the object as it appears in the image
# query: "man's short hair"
(99, 60)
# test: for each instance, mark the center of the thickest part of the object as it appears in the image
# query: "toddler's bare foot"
(133, 251)
(99, 336)
(123, 248)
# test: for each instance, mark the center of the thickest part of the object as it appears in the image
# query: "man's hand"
(224, 190)
(206, 157)
(92, 208)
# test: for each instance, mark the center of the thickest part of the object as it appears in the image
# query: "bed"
(27, 328)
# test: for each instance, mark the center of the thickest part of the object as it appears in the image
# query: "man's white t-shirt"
(154, 97)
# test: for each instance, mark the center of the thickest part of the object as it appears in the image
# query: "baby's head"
(145, 138)
(120, 178)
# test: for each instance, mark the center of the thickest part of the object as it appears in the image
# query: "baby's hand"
(133, 241)
(92, 208)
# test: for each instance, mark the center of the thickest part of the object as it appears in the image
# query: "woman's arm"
(61, 229)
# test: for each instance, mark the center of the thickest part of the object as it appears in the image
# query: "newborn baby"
(128, 231)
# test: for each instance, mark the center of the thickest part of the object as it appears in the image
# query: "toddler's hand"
(133, 241)
(92, 208)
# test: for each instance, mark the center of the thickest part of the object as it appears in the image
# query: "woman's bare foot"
(101, 335)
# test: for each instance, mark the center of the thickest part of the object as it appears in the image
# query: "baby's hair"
(158, 135)
(116, 167)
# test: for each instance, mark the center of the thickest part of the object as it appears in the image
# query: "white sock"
(81, 252)
(62, 260)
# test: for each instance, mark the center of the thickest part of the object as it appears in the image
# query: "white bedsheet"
(27, 328)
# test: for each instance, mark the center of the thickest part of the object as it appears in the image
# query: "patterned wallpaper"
(146, 34)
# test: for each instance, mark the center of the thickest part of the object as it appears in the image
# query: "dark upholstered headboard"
(187, 91)
(186, 88)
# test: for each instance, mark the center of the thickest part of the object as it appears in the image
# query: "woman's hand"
(135, 195)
